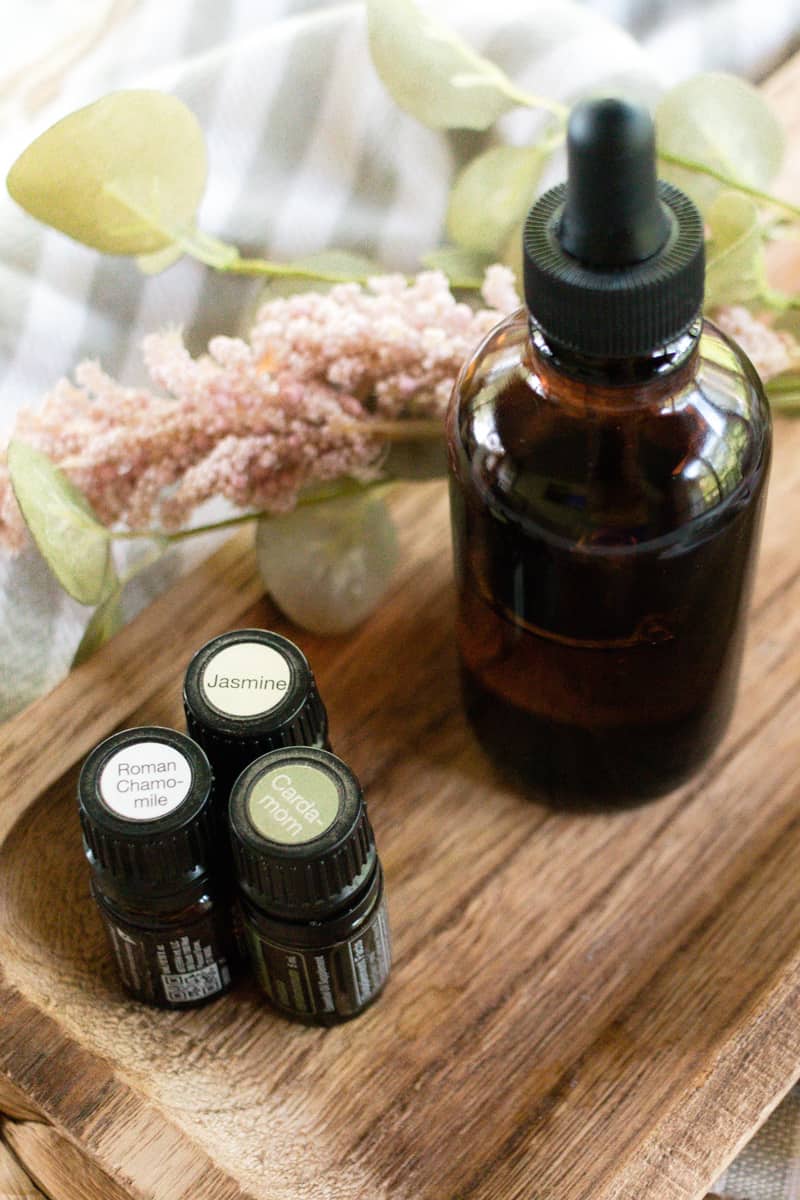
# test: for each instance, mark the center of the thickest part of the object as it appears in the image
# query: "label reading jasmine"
(293, 803)
(246, 679)
(145, 781)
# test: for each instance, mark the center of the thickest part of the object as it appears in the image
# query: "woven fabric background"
(307, 151)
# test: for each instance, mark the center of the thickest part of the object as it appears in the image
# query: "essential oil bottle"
(311, 883)
(248, 692)
(609, 451)
(145, 808)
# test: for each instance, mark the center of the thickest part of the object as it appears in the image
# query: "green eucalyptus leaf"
(124, 175)
(724, 123)
(464, 268)
(159, 260)
(327, 565)
(431, 72)
(74, 543)
(107, 619)
(491, 196)
(735, 251)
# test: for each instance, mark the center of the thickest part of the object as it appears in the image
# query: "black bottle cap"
(301, 838)
(144, 801)
(249, 692)
(613, 259)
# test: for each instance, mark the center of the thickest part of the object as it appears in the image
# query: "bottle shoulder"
(607, 464)
(177, 910)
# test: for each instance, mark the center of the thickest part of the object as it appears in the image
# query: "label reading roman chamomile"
(246, 679)
(294, 803)
(145, 781)
(185, 969)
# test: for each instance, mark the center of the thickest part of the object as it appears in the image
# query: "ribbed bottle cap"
(613, 259)
(248, 692)
(301, 838)
(143, 797)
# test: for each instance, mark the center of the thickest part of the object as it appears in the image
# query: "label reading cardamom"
(293, 803)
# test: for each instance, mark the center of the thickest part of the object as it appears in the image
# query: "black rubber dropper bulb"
(613, 258)
(612, 216)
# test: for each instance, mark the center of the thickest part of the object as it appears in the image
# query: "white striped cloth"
(307, 151)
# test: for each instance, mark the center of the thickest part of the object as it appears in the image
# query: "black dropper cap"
(275, 702)
(300, 857)
(144, 798)
(614, 258)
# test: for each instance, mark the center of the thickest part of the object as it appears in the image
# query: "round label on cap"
(145, 781)
(246, 679)
(293, 804)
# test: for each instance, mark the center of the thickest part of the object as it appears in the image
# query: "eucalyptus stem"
(530, 100)
(219, 255)
(182, 534)
(263, 266)
(272, 270)
(147, 560)
(347, 487)
(690, 164)
(503, 83)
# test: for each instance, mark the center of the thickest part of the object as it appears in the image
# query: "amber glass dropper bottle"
(609, 450)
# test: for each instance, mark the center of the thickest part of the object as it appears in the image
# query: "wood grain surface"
(581, 1007)
(15, 1181)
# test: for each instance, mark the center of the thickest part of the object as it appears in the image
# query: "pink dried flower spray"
(304, 400)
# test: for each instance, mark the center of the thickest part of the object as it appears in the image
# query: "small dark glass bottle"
(311, 885)
(609, 453)
(145, 807)
(248, 692)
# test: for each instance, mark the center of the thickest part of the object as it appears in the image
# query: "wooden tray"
(581, 1008)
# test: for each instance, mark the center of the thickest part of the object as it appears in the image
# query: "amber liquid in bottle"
(605, 525)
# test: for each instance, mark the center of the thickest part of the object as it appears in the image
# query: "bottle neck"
(161, 900)
(664, 370)
(320, 928)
